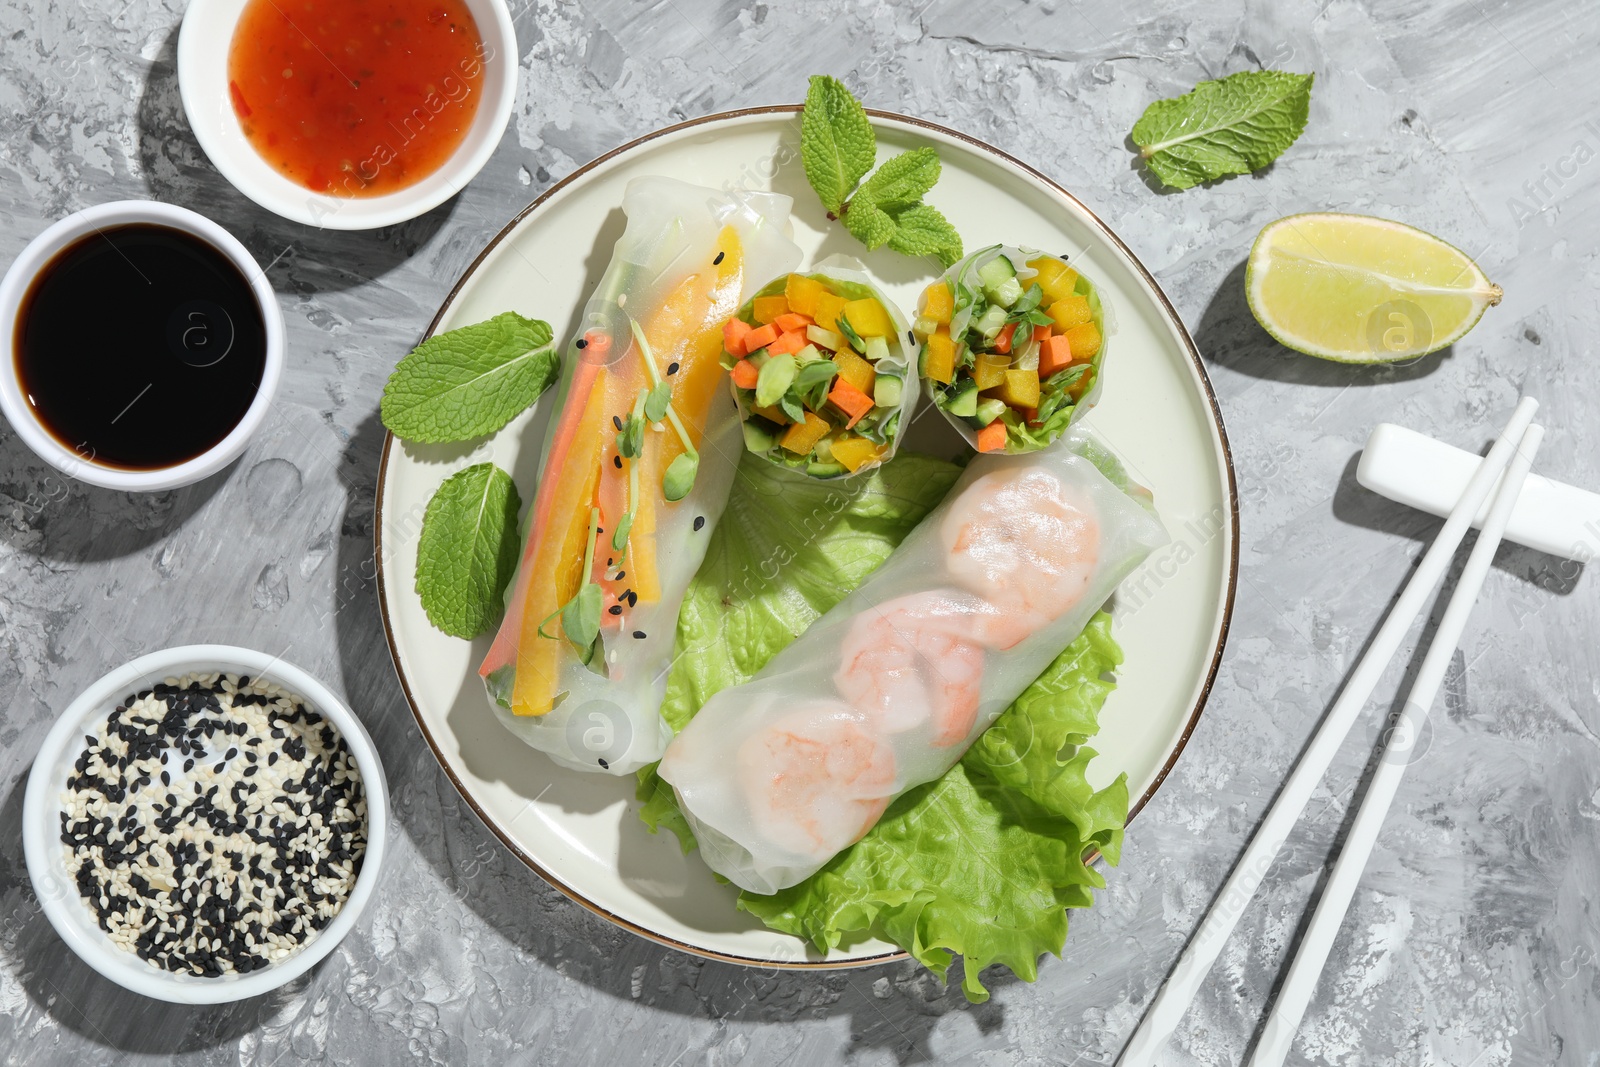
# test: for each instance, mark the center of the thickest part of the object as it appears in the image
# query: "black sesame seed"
(616, 420)
(615, 609)
(582, 343)
(617, 461)
(639, 634)
(603, 763)
(672, 368)
(699, 522)
(718, 260)
(911, 335)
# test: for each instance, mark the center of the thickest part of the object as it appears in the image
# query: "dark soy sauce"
(140, 347)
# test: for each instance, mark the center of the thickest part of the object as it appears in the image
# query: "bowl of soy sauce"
(144, 346)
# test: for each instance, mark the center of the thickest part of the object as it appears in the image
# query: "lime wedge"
(1357, 289)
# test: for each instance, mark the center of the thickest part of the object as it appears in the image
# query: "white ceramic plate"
(581, 832)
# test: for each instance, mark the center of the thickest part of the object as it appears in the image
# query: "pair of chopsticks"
(1511, 454)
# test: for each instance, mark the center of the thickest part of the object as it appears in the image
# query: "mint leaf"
(837, 146)
(467, 550)
(1233, 125)
(471, 381)
(922, 230)
(904, 179)
(870, 224)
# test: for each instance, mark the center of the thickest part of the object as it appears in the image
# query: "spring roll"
(820, 365)
(637, 464)
(888, 689)
(1012, 343)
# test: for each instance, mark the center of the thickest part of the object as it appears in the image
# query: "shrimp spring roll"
(637, 464)
(821, 370)
(888, 689)
(1012, 342)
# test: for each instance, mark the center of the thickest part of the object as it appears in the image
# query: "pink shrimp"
(817, 778)
(1024, 542)
(918, 659)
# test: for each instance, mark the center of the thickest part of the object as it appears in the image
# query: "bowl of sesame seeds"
(205, 824)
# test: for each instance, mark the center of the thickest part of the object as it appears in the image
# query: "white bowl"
(41, 824)
(203, 46)
(15, 287)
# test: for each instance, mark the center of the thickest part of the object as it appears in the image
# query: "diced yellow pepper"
(855, 370)
(802, 294)
(939, 356)
(1069, 312)
(868, 318)
(1085, 341)
(774, 413)
(768, 308)
(802, 437)
(937, 303)
(1020, 389)
(828, 309)
(989, 369)
(854, 451)
(1055, 278)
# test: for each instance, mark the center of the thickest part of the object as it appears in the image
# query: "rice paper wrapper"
(609, 719)
(850, 278)
(964, 287)
(889, 689)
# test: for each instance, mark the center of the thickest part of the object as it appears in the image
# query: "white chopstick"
(1312, 956)
(1195, 963)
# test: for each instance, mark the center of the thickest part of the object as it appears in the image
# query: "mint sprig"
(471, 381)
(838, 149)
(1233, 125)
(467, 550)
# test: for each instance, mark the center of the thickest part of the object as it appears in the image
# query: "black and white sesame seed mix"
(214, 824)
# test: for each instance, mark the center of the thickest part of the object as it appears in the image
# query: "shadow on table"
(1229, 336)
(74, 995)
(61, 518)
(297, 258)
(543, 924)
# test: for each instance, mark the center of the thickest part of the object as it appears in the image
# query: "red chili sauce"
(356, 97)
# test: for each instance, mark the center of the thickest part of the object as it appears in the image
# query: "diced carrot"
(1040, 333)
(850, 400)
(788, 342)
(760, 337)
(992, 438)
(1054, 355)
(745, 374)
(792, 320)
(734, 333)
(1085, 340)
(768, 308)
(1002, 343)
(937, 303)
(1030, 416)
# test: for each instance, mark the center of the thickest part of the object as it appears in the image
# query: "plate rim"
(1173, 318)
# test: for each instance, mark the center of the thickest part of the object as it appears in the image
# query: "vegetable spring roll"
(888, 689)
(637, 464)
(1012, 342)
(821, 370)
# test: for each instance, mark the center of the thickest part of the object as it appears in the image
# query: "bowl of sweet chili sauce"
(348, 114)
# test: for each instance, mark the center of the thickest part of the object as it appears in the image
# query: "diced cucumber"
(997, 270)
(1026, 357)
(823, 338)
(991, 322)
(887, 391)
(965, 402)
(824, 470)
(877, 348)
(756, 438)
(988, 410)
(924, 326)
(758, 358)
(808, 354)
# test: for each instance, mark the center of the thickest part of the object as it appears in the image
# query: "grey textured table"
(1472, 939)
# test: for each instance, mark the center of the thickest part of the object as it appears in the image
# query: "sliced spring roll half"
(889, 689)
(637, 464)
(820, 365)
(1012, 342)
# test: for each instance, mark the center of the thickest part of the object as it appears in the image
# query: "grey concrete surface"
(1473, 938)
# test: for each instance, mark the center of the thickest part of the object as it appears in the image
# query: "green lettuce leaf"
(982, 863)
